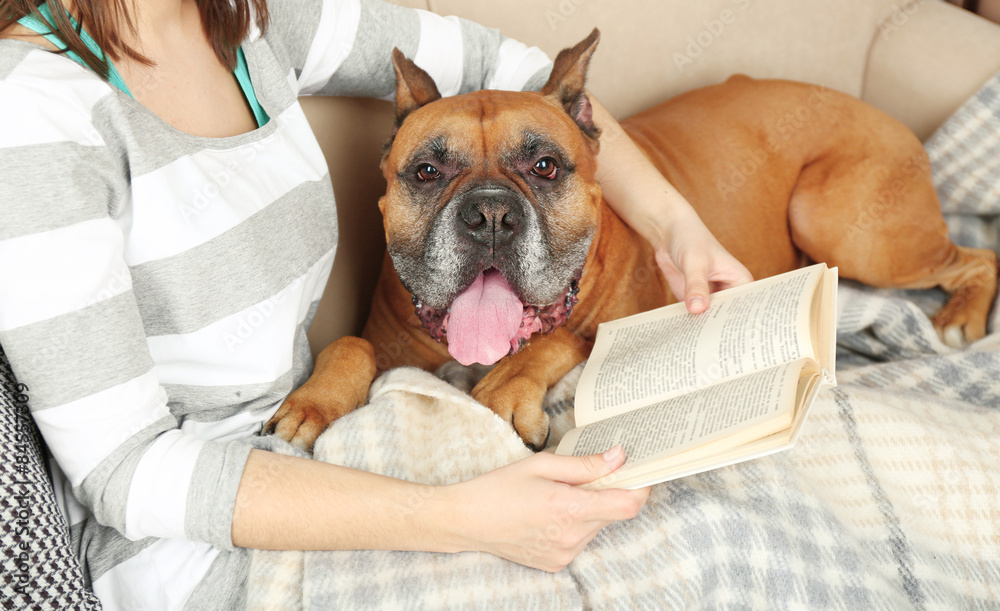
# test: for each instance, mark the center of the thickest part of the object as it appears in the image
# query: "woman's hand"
(692, 260)
(532, 513)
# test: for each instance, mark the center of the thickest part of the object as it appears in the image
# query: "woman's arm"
(692, 260)
(344, 47)
(529, 512)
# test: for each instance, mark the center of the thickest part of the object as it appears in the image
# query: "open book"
(685, 393)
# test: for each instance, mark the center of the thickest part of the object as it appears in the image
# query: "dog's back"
(784, 173)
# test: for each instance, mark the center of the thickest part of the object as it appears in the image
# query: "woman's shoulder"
(38, 86)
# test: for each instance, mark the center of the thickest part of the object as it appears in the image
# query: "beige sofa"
(916, 60)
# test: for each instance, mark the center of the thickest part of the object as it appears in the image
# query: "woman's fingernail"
(612, 454)
(696, 303)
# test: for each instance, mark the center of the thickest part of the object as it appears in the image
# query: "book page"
(648, 474)
(753, 406)
(667, 352)
(823, 314)
(720, 453)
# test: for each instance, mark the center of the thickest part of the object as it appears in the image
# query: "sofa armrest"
(926, 59)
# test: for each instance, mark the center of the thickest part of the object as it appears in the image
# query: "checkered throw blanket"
(890, 500)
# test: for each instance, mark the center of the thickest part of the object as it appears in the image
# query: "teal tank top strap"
(243, 77)
(47, 30)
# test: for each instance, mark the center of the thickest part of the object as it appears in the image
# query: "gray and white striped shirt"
(155, 287)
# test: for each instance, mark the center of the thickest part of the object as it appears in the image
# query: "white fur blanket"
(891, 499)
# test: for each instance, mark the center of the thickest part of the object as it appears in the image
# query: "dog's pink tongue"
(483, 320)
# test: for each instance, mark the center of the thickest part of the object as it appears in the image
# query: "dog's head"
(492, 205)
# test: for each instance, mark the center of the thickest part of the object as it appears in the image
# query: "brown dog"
(497, 231)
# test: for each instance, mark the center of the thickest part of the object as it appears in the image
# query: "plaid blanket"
(889, 501)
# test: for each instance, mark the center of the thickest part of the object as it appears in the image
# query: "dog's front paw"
(517, 400)
(338, 385)
(301, 419)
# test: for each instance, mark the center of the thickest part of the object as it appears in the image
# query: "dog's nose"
(491, 217)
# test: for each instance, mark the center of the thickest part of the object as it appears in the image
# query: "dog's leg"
(970, 277)
(338, 385)
(881, 224)
(516, 386)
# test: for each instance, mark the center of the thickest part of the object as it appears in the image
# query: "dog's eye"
(545, 167)
(426, 172)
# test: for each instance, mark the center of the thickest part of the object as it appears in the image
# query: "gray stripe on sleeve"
(73, 355)
(103, 548)
(267, 64)
(225, 585)
(85, 178)
(294, 24)
(367, 70)
(210, 506)
(242, 267)
(12, 53)
(212, 495)
(480, 47)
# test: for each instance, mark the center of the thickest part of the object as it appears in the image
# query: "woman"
(161, 188)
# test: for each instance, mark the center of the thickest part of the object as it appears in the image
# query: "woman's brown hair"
(226, 23)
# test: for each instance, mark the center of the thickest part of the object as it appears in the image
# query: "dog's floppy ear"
(414, 87)
(565, 84)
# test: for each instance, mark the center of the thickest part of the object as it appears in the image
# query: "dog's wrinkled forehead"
(530, 144)
(502, 127)
(463, 149)
(436, 149)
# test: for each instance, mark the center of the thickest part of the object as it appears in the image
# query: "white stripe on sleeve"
(157, 498)
(338, 27)
(84, 432)
(81, 264)
(53, 118)
(198, 197)
(440, 51)
(516, 63)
